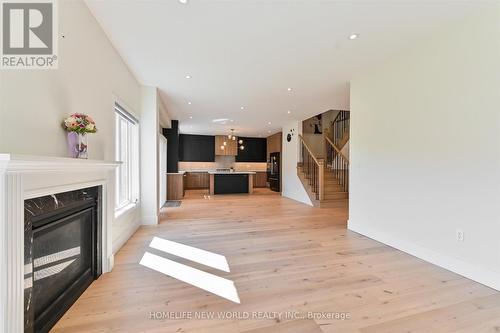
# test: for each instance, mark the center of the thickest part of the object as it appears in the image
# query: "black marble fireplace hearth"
(62, 253)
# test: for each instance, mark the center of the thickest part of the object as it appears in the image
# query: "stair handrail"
(337, 163)
(341, 114)
(336, 149)
(340, 124)
(316, 177)
(308, 149)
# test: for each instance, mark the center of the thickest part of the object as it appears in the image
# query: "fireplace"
(27, 179)
(62, 253)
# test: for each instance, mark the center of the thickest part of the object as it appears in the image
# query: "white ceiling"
(247, 53)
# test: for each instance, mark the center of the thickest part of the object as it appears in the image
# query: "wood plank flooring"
(287, 258)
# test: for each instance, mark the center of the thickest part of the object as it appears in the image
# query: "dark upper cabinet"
(172, 135)
(255, 150)
(196, 148)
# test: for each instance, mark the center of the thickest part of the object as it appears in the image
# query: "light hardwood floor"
(283, 256)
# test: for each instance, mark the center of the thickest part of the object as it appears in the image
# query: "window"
(127, 152)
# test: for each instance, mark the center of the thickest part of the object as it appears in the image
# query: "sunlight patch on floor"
(200, 256)
(212, 283)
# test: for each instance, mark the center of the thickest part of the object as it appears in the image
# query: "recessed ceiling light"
(188, 76)
(189, 103)
(232, 120)
(184, 2)
(190, 117)
(220, 120)
(242, 108)
(269, 123)
(289, 112)
(289, 89)
(268, 131)
(353, 36)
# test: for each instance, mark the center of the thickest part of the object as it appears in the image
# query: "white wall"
(425, 149)
(91, 72)
(33, 103)
(316, 142)
(292, 186)
(149, 155)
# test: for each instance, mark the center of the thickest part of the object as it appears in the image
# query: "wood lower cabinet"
(260, 179)
(197, 180)
(175, 187)
(201, 180)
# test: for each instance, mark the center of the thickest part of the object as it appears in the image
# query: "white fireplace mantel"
(24, 177)
(31, 163)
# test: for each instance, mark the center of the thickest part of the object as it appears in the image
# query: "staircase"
(340, 134)
(327, 180)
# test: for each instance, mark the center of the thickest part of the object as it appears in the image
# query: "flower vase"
(77, 145)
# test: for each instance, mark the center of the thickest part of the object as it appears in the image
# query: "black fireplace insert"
(62, 253)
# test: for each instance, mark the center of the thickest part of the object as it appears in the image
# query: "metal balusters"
(311, 168)
(340, 127)
(338, 164)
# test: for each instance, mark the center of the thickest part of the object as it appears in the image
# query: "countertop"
(215, 171)
(176, 173)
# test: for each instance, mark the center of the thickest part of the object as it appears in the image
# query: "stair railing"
(340, 126)
(313, 169)
(337, 163)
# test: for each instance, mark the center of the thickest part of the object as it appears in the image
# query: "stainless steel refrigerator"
(273, 172)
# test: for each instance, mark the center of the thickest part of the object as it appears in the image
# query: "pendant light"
(231, 135)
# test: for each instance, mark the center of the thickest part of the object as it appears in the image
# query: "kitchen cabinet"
(230, 148)
(274, 144)
(255, 150)
(196, 148)
(172, 135)
(260, 179)
(197, 180)
(175, 188)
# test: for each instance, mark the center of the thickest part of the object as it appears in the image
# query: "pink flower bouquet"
(79, 123)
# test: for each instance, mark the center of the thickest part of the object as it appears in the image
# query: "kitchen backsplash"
(242, 166)
(222, 162)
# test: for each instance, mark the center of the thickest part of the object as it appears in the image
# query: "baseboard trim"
(291, 197)
(149, 220)
(484, 276)
(124, 236)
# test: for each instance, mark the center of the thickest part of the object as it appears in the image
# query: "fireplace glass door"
(63, 264)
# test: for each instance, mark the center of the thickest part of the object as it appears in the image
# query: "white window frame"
(127, 174)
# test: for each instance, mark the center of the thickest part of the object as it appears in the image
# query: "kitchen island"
(226, 182)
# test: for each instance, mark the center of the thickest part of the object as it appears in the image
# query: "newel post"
(321, 178)
(324, 144)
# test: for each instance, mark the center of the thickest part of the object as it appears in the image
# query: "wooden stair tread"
(334, 194)
(334, 190)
